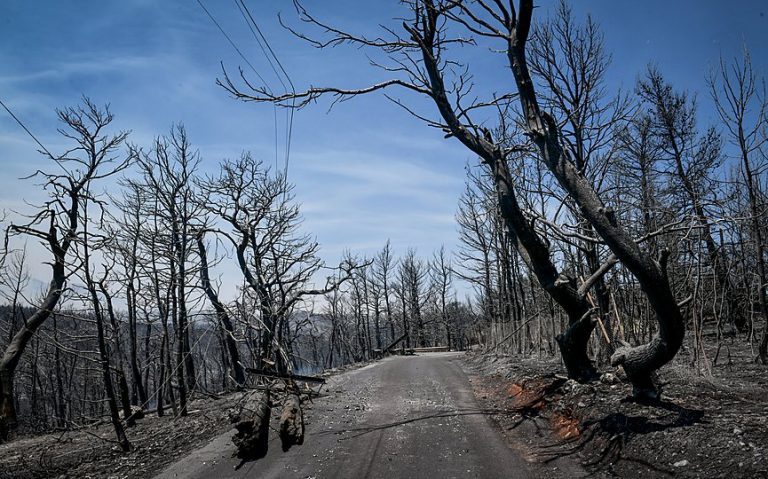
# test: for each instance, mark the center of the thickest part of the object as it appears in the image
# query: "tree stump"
(291, 422)
(252, 437)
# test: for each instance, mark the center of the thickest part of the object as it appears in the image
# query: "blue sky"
(365, 171)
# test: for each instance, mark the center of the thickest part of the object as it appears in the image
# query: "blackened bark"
(526, 240)
(252, 437)
(121, 381)
(221, 314)
(641, 362)
(15, 348)
(109, 389)
(136, 376)
(291, 422)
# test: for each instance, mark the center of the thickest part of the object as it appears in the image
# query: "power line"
(274, 107)
(251, 24)
(27, 130)
(289, 115)
(270, 55)
(231, 42)
(239, 52)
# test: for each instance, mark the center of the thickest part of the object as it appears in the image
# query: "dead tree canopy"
(92, 157)
(418, 55)
(258, 217)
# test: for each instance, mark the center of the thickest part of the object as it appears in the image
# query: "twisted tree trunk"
(532, 248)
(641, 362)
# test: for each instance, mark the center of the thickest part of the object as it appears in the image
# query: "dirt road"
(403, 417)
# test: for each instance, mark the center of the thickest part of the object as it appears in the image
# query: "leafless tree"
(94, 241)
(740, 99)
(441, 275)
(475, 219)
(383, 266)
(93, 157)
(14, 280)
(413, 275)
(569, 61)
(260, 220)
(419, 60)
(690, 159)
(127, 229)
(238, 373)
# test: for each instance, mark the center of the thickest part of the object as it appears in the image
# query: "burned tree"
(641, 362)
(413, 275)
(569, 61)
(167, 176)
(92, 242)
(441, 276)
(258, 217)
(127, 229)
(238, 374)
(419, 58)
(382, 276)
(57, 221)
(689, 157)
(742, 105)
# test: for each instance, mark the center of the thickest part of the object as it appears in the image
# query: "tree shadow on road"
(367, 429)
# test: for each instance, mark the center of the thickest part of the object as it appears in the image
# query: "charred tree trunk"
(222, 315)
(7, 409)
(136, 376)
(160, 381)
(641, 362)
(101, 340)
(533, 250)
(573, 341)
(12, 355)
(178, 367)
(109, 389)
(61, 407)
(121, 380)
(738, 95)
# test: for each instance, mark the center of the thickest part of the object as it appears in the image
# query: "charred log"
(252, 437)
(292, 422)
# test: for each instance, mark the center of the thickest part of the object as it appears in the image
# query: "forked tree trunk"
(640, 363)
(573, 341)
(122, 382)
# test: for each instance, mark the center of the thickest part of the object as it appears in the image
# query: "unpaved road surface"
(403, 417)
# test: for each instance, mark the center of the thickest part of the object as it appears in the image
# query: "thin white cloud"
(64, 68)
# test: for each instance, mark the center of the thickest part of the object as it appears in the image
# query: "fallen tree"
(292, 421)
(252, 437)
